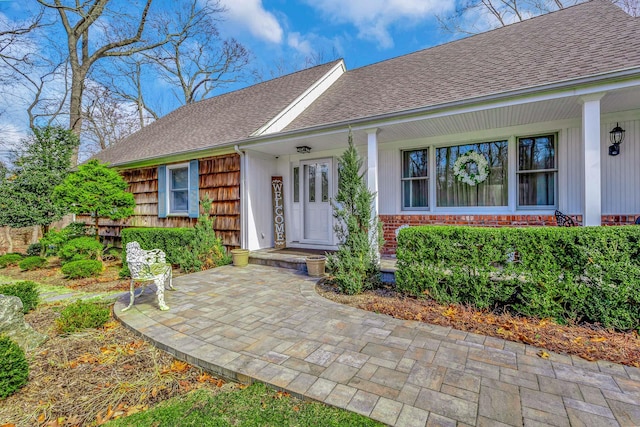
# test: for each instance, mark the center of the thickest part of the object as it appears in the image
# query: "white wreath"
(460, 168)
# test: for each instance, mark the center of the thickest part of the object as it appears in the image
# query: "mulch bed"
(90, 377)
(590, 342)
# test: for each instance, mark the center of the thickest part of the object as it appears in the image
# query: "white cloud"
(298, 42)
(372, 18)
(252, 16)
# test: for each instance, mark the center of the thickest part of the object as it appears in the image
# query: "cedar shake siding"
(219, 179)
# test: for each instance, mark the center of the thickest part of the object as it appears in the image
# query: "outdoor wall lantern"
(616, 136)
(303, 149)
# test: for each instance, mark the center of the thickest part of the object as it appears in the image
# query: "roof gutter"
(243, 198)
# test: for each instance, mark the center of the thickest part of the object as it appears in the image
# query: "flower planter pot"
(240, 257)
(315, 265)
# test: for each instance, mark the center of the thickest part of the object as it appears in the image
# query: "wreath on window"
(460, 168)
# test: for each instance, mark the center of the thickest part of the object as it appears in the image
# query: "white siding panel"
(389, 181)
(260, 225)
(621, 173)
(571, 171)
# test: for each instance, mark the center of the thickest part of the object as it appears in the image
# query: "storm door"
(316, 212)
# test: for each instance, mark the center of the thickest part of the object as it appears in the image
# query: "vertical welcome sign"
(279, 235)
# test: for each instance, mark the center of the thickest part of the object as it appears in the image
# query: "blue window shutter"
(194, 183)
(162, 192)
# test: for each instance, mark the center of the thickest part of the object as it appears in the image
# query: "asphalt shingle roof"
(579, 41)
(215, 121)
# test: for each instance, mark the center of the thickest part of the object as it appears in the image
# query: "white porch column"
(592, 180)
(372, 176)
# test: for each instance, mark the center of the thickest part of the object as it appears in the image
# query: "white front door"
(316, 194)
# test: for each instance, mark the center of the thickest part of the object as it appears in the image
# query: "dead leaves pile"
(587, 341)
(95, 376)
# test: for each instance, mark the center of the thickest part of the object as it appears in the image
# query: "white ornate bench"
(146, 266)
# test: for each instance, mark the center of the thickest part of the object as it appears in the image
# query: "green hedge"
(170, 240)
(587, 274)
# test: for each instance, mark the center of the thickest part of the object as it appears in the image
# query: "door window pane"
(312, 183)
(493, 191)
(325, 182)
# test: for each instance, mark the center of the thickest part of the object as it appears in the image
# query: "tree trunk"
(7, 234)
(75, 106)
(35, 234)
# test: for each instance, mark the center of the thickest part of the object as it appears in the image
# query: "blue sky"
(286, 32)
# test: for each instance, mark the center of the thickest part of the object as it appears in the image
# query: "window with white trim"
(178, 177)
(415, 179)
(537, 172)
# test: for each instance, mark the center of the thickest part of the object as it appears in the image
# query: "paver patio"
(268, 324)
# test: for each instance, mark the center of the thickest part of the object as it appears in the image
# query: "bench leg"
(160, 293)
(131, 296)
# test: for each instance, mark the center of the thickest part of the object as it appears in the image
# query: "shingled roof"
(580, 41)
(215, 121)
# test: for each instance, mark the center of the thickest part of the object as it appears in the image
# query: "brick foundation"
(392, 222)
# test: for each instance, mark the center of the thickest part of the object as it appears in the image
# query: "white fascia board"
(301, 103)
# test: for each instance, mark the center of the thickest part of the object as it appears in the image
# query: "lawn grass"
(255, 405)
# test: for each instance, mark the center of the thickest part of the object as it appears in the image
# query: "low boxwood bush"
(26, 290)
(14, 369)
(82, 268)
(10, 260)
(170, 240)
(81, 248)
(82, 315)
(32, 263)
(580, 274)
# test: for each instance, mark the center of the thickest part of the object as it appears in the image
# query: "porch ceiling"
(491, 118)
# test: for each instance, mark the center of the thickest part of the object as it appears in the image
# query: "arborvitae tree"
(96, 190)
(355, 266)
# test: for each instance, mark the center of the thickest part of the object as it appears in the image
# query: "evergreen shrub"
(81, 248)
(8, 260)
(26, 290)
(82, 315)
(32, 263)
(579, 274)
(355, 266)
(53, 240)
(34, 249)
(205, 250)
(170, 240)
(14, 369)
(82, 268)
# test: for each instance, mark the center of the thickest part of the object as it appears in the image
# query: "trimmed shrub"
(82, 315)
(170, 240)
(81, 248)
(26, 290)
(82, 268)
(589, 274)
(34, 249)
(32, 263)
(55, 239)
(10, 260)
(14, 369)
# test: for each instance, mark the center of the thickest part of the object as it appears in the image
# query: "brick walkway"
(268, 324)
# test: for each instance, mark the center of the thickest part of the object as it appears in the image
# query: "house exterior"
(535, 101)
